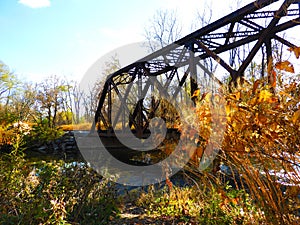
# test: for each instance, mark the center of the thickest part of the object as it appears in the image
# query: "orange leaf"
(169, 183)
(286, 66)
(296, 51)
(255, 86)
(296, 116)
(273, 78)
(235, 201)
(273, 100)
(236, 95)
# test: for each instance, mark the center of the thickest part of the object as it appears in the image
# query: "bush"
(53, 193)
(262, 143)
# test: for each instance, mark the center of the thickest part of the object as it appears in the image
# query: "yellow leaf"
(238, 95)
(196, 93)
(264, 95)
(235, 96)
(286, 66)
(247, 149)
(207, 97)
(296, 51)
(296, 116)
(230, 108)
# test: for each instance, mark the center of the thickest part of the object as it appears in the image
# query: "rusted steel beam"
(268, 44)
(230, 33)
(254, 37)
(263, 36)
(270, 14)
(123, 103)
(285, 42)
(232, 17)
(99, 107)
(181, 82)
(216, 58)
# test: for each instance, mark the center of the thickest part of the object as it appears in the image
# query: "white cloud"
(35, 3)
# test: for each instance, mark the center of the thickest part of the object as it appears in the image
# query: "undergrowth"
(53, 192)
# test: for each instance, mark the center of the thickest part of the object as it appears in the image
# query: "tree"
(67, 102)
(164, 29)
(92, 95)
(8, 82)
(24, 102)
(50, 98)
(77, 95)
(9, 90)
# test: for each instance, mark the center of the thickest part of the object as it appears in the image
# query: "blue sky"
(64, 37)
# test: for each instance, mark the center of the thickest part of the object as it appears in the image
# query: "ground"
(133, 215)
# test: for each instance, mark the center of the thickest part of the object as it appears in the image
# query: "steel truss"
(174, 66)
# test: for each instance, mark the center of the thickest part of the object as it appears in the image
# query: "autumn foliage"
(261, 141)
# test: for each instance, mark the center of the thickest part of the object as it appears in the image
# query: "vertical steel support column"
(263, 61)
(139, 129)
(268, 44)
(193, 70)
(109, 107)
(123, 117)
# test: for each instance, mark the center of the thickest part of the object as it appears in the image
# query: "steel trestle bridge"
(255, 27)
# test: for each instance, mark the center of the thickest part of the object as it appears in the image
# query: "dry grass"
(81, 126)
